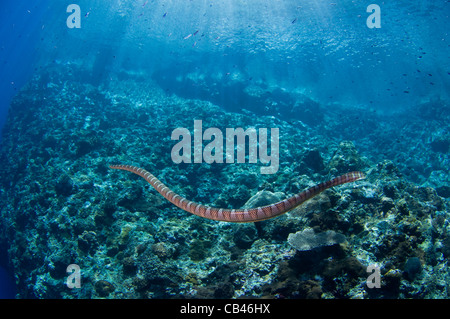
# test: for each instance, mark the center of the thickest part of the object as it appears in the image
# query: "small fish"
(188, 36)
(293, 21)
(164, 15)
(195, 32)
(405, 91)
(144, 3)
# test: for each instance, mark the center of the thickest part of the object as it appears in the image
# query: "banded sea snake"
(240, 215)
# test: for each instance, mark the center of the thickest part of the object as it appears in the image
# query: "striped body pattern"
(239, 215)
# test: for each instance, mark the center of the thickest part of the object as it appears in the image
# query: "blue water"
(19, 30)
(320, 49)
(7, 290)
(19, 42)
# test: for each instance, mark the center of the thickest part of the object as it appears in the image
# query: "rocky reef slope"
(61, 204)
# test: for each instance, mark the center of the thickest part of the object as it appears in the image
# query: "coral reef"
(61, 204)
(307, 239)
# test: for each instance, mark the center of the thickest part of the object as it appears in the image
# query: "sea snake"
(239, 215)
